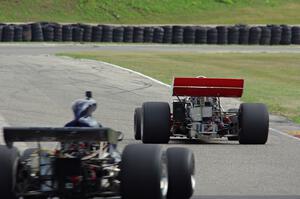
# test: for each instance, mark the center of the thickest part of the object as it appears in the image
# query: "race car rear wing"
(65, 134)
(207, 87)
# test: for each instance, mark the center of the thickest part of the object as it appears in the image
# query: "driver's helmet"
(84, 108)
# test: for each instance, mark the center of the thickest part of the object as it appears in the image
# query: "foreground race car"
(197, 113)
(87, 164)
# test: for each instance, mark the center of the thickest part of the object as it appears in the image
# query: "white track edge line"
(135, 72)
(284, 134)
(164, 84)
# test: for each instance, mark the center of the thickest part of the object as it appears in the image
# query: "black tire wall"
(177, 34)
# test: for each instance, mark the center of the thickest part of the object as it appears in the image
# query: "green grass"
(273, 79)
(152, 11)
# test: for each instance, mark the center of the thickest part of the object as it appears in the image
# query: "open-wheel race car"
(86, 163)
(198, 113)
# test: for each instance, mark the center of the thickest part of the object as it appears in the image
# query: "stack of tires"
(48, 33)
(296, 35)
(176, 34)
(107, 33)
(286, 35)
(67, 33)
(37, 32)
(233, 35)
(128, 34)
(212, 36)
(97, 34)
(77, 33)
(275, 34)
(243, 34)
(254, 35)
(138, 34)
(158, 35)
(8, 33)
(189, 35)
(168, 34)
(265, 38)
(148, 34)
(201, 35)
(118, 34)
(222, 34)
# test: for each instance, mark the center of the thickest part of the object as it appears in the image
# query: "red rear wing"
(210, 87)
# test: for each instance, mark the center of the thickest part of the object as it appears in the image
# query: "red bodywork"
(209, 87)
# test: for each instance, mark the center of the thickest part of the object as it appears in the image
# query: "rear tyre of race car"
(253, 123)
(137, 123)
(181, 170)
(155, 124)
(143, 172)
(9, 158)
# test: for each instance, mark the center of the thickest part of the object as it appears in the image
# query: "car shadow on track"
(202, 141)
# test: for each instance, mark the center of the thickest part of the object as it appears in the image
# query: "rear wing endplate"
(60, 134)
(207, 87)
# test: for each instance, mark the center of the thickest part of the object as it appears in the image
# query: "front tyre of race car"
(181, 170)
(143, 172)
(156, 122)
(9, 158)
(253, 123)
(137, 123)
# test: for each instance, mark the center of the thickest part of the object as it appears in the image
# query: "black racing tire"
(156, 122)
(143, 172)
(9, 158)
(137, 123)
(181, 170)
(253, 123)
(27, 153)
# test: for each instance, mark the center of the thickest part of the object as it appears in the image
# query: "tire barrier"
(8, 33)
(168, 34)
(77, 34)
(158, 35)
(265, 38)
(67, 33)
(97, 34)
(275, 34)
(87, 33)
(37, 32)
(1, 31)
(107, 33)
(212, 36)
(233, 35)
(201, 35)
(296, 35)
(176, 34)
(48, 32)
(138, 34)
(189, 35)
(128, 34)
(222, 34)
(148, 34)
(18, 33)
(286, 35)
(243, 34)
(118, 34)
(57, 33)
(254, 35)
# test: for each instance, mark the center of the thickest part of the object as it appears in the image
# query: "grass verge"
(153, 11)
(271, 78)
